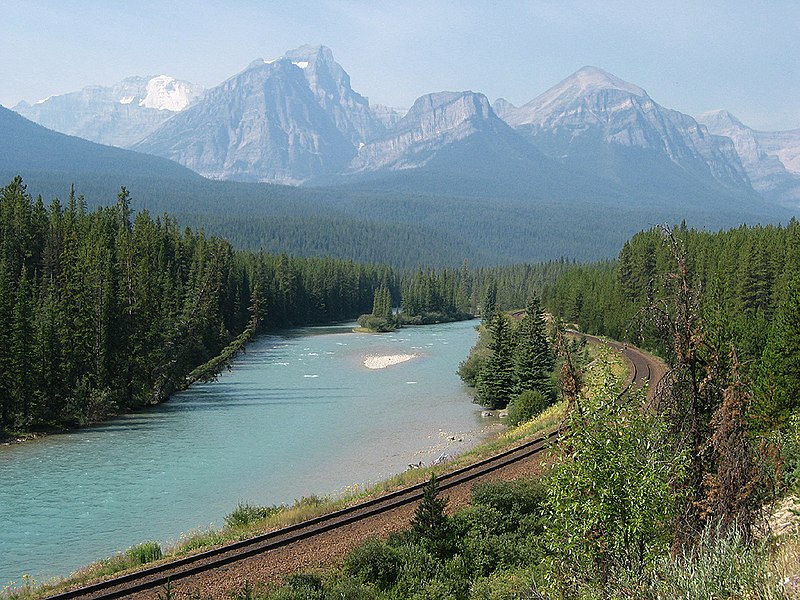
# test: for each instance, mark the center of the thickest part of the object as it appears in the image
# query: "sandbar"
(381, 362)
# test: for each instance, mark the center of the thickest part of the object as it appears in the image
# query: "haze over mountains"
(119, 115)
(297, 120)
(574, 172)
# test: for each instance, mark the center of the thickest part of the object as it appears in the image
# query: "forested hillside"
(101, 312)
(745, 286)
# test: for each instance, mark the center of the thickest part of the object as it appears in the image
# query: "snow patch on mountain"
(167, 93)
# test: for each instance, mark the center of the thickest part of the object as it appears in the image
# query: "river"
(299, 414)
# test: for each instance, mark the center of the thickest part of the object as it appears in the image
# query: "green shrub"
(527, 405)
(349, 589)
(244, 514)
(417, 567)
(513, 585)
(719, 567)
(516, 498)
(374, 562)
(141, 554)
(480, 519)
(379, 324)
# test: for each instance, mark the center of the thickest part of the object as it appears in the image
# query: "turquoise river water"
(299, 414)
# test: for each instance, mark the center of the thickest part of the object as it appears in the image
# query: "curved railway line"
(156, 577)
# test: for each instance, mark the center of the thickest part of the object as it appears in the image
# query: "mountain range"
(572, 173)
(296, 120)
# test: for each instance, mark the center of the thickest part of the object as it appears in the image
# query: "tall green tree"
(496, 381)
(533, 358)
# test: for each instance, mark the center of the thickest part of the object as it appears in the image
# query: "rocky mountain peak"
(718, 120)
(118, 115)
(503, 107)
(587, 86)
(331, 86)
(433, 122)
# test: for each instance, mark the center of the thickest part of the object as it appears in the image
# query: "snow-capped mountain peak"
(118, 115)
(167, 93)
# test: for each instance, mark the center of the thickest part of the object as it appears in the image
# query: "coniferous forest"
(103, 312)
(109, 310)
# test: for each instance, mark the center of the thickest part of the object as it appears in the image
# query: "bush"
(244, 514)
(350, 589)
(374, 562)
(514, 498)
(141, 554)
(378, 324)
(719, 567)
(527, 405)
(481, 519)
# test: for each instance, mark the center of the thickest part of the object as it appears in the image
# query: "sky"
(692, 56)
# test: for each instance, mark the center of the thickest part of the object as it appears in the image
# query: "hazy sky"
(692, 56)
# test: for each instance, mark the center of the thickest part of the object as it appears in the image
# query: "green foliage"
(526, 405)
(533, 358)
(495, 381)
(377, 324)
(609, 497)
(788, 441)
(516, 498)
(105, 311)
(375, 562)
(430, 523)
(779, 370)
(144, 553)
(245, 513)
(431, 296)
(719, 567)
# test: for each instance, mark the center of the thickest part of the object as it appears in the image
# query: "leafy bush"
(718, 567)
(350, 589)
(790, 451)
(244, 514)
(527, 405)
(374, 562)
(379, 324)
(141, 554)
(516, 498)
(480, 519)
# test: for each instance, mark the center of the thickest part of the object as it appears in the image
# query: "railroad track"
(161, 575)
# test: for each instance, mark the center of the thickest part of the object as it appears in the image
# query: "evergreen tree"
(489, 303)
(533, 357)
(779, 371)
(430, 523)
(495, 382)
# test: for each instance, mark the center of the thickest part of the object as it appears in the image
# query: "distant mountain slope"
(349, 110)
(263, 124)
(26, 147)
(118, 115)
(597, 122)
(763, 155)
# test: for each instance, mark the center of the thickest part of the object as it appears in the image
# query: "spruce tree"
(495, 382)
(533, 358)
(430, 523)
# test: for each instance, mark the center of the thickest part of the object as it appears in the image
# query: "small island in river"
(381, 362)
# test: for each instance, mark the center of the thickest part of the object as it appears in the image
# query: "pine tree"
(779, 372)
(533, 358)
(495, 382)
(430, 523)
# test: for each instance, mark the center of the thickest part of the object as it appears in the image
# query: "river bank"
(299, 415)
